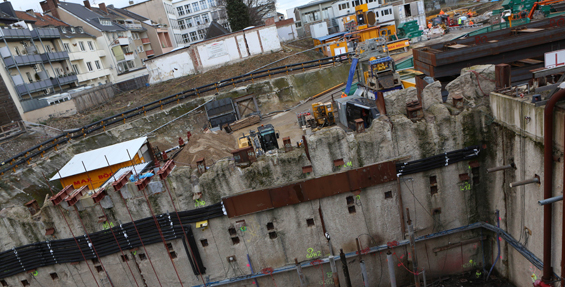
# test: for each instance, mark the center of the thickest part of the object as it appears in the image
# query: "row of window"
(89, 66)
(357, 3)
(169, 9)
(194, 36)
(91, 46)
(196, 20)
(72, 29)
(195, 7)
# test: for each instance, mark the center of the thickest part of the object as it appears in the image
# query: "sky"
(23, 5)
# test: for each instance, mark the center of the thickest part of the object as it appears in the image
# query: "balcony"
(33, 87)
(145, 41)
(46, 33)
(149, 53)
(129, 56)
(133, 26)
(25, 60)
(123, 41)
(15, 34)
(55, 56)
(64, 80)
(101, 53)
(93, 75)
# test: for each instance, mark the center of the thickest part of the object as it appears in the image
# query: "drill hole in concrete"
(388, 194)
(142, 256)
(270, 226)
(351, 209)
(235, 240)
(272, 235)
(310, 222)
(54, 275)
(350, 200)
(232, 231)
(204, 242)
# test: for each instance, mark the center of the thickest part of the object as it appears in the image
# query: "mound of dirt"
(212, 146)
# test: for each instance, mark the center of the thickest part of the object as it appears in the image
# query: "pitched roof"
(96, 159)
(313, 3)
(40, 20)
(215, 30)
(129, 14)
(90, 17)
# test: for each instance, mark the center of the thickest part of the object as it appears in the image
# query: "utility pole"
(413, 245)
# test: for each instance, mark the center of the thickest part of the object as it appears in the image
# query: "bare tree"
(258, 10)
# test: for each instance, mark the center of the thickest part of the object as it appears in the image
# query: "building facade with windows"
(85, 56)
(195, 16)
(156, 40)
(118, 41)
(163, 14)
(35, 67)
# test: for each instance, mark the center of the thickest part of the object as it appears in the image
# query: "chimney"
(130, 2)
(86, 4)
(103, 7)
(30, 12)
(50, 7)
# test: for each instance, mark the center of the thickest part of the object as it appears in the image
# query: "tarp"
(351, 75)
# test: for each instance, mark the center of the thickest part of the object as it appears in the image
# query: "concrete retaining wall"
(93, 97)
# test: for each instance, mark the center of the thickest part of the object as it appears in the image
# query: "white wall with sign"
(554, 59)
(213, 53)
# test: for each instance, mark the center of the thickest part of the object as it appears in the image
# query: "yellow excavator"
(244, 141)
(323, 114)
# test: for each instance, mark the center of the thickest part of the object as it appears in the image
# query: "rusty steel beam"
(306, 190)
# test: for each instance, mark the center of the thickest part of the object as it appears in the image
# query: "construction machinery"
(323, 114)
(268, 137)
(244, 141)
(353, 108)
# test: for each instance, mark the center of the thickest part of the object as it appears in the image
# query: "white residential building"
(161, 12)
(195, 16)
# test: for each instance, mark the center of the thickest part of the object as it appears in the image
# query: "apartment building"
(35, 68)
(118, 38)
(164, 15)
(158, 40)
(84, 55)
(195, 17)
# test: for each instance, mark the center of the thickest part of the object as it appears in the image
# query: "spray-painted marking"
(199, 202)
(313, 254)
(107, 225)
(243, 228)
(465, 186)
(470, 264)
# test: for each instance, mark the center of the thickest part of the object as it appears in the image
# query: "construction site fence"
(54, 143)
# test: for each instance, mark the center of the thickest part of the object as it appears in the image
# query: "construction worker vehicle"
(323, 114)
(268, 137)
(244, 141)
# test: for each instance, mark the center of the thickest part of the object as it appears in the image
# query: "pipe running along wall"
(548, 181)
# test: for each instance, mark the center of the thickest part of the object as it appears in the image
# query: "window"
(140, 49)
(29, 78)
(67, 47)
(188, 22)
(90, 46)
(212, 3)
(103, 22)
(80, 30)
(63, 29)
(197, 20)
(89, 66)
(205, 18)
(57, 72)
(75, 69)
(203, 4)
(310, 222)
(195, 7)
(181, 25)
(226, 25)
(72, 29)
(131, 64)
(201, 34)
(18, 51)
(180, 11)
(47, 48)
(98, 66)
(81, 45)
(193, 36)
(185, 38)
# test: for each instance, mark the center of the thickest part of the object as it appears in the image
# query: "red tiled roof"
(284, 22)
(40, 20)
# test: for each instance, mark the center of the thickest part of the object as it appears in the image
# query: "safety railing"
(54, 143)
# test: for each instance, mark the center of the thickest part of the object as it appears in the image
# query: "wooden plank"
(530, 30)
(530, 61)
(245, 122)
(458, 46)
